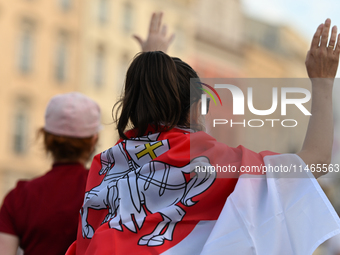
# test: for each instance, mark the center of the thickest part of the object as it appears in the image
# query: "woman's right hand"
(322, 64)
(322, 60)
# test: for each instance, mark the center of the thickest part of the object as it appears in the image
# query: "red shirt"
(44, 212)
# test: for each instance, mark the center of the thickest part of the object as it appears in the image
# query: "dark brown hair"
(65, 148)
(157, 92)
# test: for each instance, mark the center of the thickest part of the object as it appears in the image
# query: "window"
(99, 66)
(61, 58)
(65, 5)
(128, 17)
(103, 11)
(26, 47)
(20, 128)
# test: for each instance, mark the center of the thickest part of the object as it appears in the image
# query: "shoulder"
(249, 153)
(18, 195)
(10, 208)
(19, 190)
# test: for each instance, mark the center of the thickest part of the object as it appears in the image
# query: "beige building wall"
(277, 52)
(219, 52)
(32, 35)
(273, 51)
(218, 38)
(230, 45)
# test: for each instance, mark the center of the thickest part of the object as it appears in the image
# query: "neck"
(80, 161)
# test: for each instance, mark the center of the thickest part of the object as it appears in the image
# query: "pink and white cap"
(72, 114)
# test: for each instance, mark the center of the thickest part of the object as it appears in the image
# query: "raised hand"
(157, 39)
(322, 64)
(323, 58)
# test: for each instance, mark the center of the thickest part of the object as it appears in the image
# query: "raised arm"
(322, 64)
(157, 39)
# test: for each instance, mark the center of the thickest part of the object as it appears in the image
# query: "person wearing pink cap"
(41, 215)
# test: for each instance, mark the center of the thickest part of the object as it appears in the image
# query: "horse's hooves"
(116, 225)
(143, 241)
(107, 218)
(88, 231)
(153, 241)
(156, 241)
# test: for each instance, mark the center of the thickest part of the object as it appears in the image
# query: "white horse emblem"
(133, 179)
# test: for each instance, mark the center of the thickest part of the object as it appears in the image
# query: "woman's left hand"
(157, 39)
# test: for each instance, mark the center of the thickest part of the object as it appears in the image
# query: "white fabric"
(333, 245)
(195, 241)
(269, 215)
(274, 215)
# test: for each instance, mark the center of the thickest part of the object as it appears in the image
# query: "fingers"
(337, 48)
(159, 21)
(157, 38)
(316, 37)
(155, 23)
(152, 22)
(307, 56)
(140, 40)
(332, 40)
(325, 32)
(164, 30)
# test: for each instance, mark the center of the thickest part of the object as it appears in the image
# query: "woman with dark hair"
(40, 216)
(159, 189)
(157, 92)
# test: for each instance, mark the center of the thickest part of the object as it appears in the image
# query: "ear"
(94, 139)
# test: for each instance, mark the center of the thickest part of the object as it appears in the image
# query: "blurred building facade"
(52, 47)
(229, 44)
(275, 51)
(219, 39)
(39, 58)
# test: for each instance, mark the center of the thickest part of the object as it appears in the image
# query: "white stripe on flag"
(194, 242)
(274, 215)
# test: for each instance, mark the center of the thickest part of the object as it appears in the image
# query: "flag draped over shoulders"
(163, 193)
